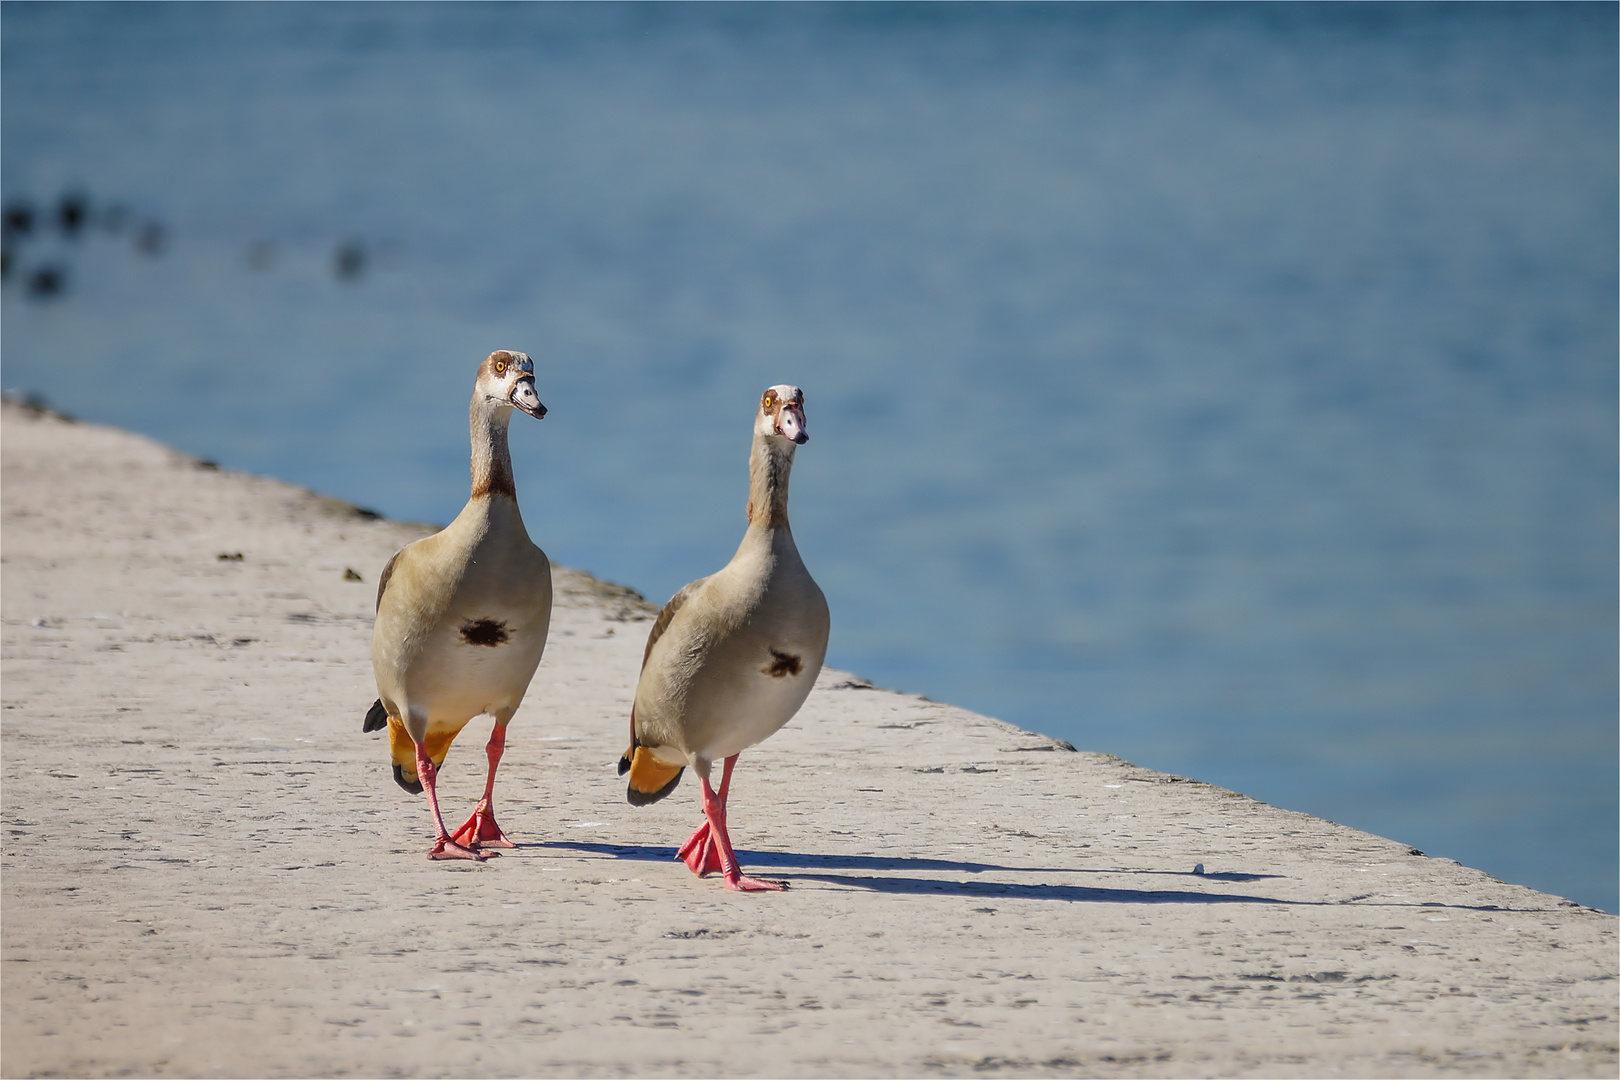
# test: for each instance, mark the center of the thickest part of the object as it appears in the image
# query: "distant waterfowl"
(349, 261)
(16, 220)
(151, 238)
(47, 282)
(462, 617)
(71, 212)
(733, 655)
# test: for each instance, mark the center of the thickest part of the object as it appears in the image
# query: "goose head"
(506, 379)
(781, 414)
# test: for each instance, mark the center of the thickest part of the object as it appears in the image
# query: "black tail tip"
(647, 798)
(624, 764)
(376, 717)
(412, 786)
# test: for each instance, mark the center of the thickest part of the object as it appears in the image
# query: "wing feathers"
(382, 582)
(651, 779)
(667, 616)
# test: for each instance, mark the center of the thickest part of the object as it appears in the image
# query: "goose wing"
(377, 717)
(650, 779)
(387, 572)
(667, 616)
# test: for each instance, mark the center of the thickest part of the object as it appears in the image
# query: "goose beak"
(524, 397)
(790, 424)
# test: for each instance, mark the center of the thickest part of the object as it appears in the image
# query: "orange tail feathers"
(650, 779)
(402, 751)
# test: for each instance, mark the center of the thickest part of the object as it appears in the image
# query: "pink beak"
(790, 424)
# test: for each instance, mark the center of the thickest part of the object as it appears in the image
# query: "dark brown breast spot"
(783, 664)
(484, 632)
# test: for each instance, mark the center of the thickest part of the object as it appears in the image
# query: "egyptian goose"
(462, 618)
(733, 655)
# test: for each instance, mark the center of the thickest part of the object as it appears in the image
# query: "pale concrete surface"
(209, 872)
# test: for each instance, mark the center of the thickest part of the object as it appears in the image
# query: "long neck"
(769, 463)
(491, 460)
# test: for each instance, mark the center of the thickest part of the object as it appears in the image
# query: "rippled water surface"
(1232, 389)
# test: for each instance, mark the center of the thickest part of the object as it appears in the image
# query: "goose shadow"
(816, 867)
(910, 881)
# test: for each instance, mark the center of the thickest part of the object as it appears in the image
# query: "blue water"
(1229, 388)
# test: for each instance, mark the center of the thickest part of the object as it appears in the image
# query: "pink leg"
(480, 830)
(700, 853)
(443, 846)
(714, 809)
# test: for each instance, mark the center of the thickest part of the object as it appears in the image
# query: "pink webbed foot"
(700, 853)
(709, 847)
(748, 884)
(449, 849)
(480, 830)
(444, 847)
